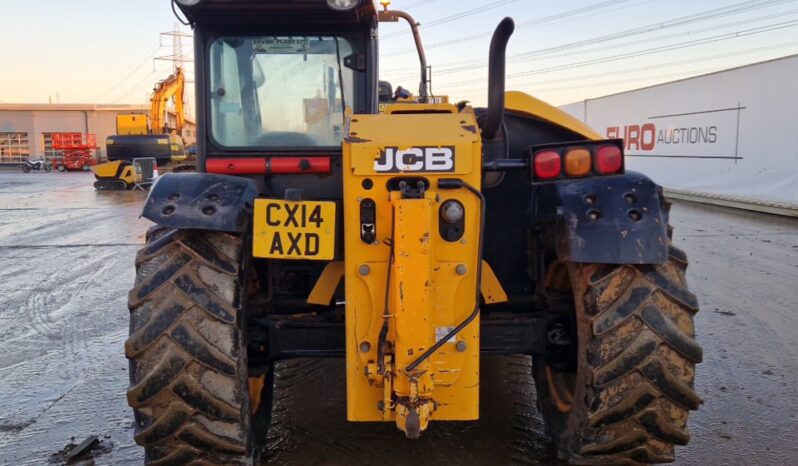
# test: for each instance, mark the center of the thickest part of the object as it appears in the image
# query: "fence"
(146, 172)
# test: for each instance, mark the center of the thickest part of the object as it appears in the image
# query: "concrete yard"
(67, 263)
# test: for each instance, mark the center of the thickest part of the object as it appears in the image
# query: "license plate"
(294, 230)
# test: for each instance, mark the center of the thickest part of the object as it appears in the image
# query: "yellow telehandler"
(333, 217)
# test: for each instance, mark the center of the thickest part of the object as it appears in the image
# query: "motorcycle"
(36, 165)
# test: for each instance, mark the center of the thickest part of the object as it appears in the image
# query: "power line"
(681, 21)
(137, 86)
(530, 55)
(638, 53)
(454, 17)
(124, 77)
(627, 71)
(527, 24)
(418, 3)
(658, 78)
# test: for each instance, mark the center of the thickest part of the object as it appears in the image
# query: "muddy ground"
(66, 263)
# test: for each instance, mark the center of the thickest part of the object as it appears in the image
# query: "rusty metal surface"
(67, 255)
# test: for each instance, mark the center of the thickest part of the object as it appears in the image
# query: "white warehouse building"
(26, 129)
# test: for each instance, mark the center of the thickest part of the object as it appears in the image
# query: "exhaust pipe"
(496, 66)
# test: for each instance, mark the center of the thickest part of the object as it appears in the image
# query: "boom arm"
(171, 87)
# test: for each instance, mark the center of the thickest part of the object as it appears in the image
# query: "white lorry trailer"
(729, 137)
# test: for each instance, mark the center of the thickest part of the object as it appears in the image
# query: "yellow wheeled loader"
(409, 238)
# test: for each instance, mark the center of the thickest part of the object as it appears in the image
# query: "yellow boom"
(170, 88)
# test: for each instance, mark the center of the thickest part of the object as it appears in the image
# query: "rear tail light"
(609, 160)
(577, 162)
(548, 165)
(551, 162)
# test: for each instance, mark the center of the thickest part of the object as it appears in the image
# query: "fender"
(619, 219)
(201, 201)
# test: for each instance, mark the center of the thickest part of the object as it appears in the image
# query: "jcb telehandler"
(409, 240)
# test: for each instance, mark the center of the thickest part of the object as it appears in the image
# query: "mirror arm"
(392, 16)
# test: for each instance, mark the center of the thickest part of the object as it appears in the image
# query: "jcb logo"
(415, 159)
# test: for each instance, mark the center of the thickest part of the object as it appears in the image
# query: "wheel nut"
(461, 346)
(363, 270)
(461, 269)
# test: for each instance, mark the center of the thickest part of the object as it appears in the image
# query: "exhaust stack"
(496, 75)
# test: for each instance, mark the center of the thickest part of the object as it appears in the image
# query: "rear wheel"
(26, 168)
(191, 392)
(61, 168)
(624, 395)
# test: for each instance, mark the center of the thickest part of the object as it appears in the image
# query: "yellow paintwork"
(255, 391)
(294, 230)
(412, 304)
(324, 289)
(518, 102)
(131, 124)
(109, 170)
(426, 292)
(492, 291)
(177, 149)
(171, 88)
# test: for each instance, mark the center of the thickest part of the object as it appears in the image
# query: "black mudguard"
(201, 201)
(612, 220)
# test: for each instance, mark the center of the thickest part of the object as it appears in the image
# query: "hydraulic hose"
(456, 183)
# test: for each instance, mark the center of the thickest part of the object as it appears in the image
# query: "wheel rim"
(562, 386)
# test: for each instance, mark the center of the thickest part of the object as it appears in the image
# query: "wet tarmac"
(66, 256)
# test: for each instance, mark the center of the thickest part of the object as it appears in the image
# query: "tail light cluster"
(576, 160)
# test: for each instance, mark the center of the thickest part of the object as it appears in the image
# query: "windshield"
(279, 91)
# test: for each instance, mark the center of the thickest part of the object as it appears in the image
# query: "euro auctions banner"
(731, 134)
(700, 134)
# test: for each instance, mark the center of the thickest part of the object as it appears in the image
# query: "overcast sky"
(101, 51)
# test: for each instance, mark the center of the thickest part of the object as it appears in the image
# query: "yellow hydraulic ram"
(413, 215)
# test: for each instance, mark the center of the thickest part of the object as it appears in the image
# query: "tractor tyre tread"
(636, 387)
(187, 357)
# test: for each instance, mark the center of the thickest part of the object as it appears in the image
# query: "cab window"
(279, 92)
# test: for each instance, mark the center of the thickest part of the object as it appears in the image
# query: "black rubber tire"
(187, 348)
(25, 169)
(61, 168)
(632, 390)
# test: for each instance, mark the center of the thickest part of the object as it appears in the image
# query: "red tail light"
(548, 165)
(609, 160)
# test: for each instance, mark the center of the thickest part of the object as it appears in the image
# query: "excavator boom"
(149, 137)
(171, 87)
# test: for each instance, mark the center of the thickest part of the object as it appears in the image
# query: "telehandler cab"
(407, 236)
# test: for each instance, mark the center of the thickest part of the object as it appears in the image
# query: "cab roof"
(284, 12)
